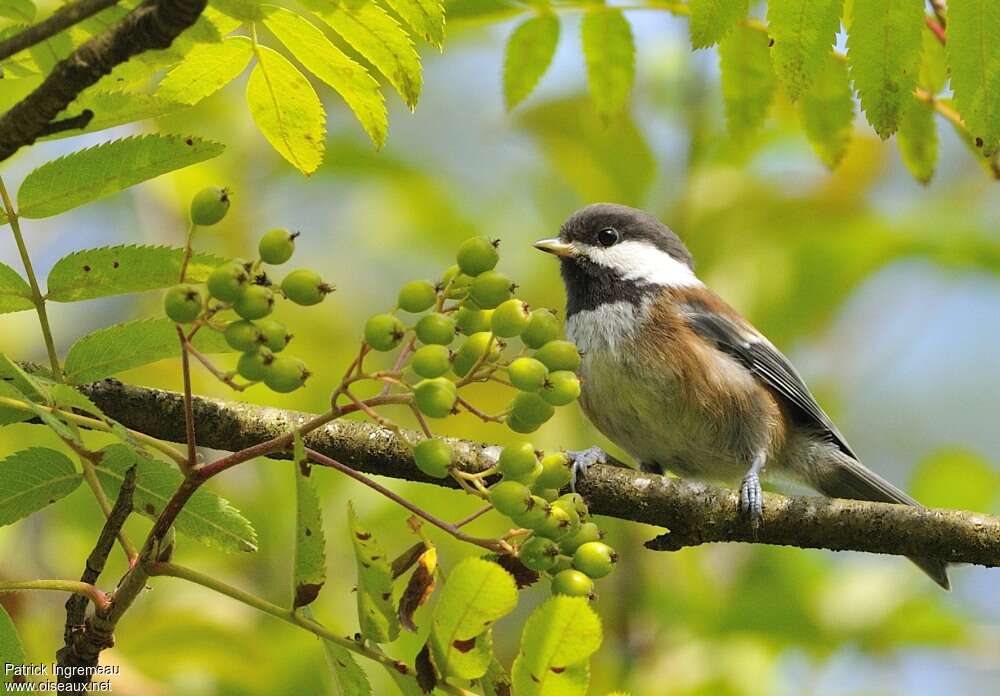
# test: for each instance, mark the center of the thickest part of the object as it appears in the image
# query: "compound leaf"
(803, 32)
(32, 478)
(529, 53)
(973, 27)
(207, 68)
(827, 111)
(711, 20)
(609, 51)
(748, 80)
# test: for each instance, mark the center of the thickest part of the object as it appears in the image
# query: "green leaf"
(425, 17)
(123, 269)
(480, 11)
(827, 111)
(748, 81)
(87, 175)
(33, 478)
(558, 640)
(124, 346)
(883, 50)
(14, 90)
(207, 517)
(383, 43)
(348, 677)
(286, 110)
(529, 54)
(406, 683)
(956, 478)
(933, 63)
(18, 10)
(24, 383)
(917, 138)
(327, 62)
(11, 649)
(30, 391)
(973, 27)
(803, 33)
(610, 54)
(12, 414)
(376, 613)
(15, 295)
(310, 541)
(115, 108)
(711, 20)
(496, 681)
(477, 593)
(206, 69)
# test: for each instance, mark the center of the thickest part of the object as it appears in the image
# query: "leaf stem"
(36, 294)
(192, 446)
(99, 598)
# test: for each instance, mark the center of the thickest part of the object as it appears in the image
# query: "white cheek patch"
(642, 262)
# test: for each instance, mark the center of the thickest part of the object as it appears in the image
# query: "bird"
(682, 382)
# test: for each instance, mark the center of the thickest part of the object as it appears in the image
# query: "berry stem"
(186, 259)
(478, 413)
(225, 378)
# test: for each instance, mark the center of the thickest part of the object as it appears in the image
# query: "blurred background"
(883, 291)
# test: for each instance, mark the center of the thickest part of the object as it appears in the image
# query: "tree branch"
(152, 25)
(61, 19)
(695, 513)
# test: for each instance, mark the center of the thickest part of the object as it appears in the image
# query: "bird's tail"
(848, 478)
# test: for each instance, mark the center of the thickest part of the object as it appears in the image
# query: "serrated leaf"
(917, 139)
(348, 677)
(803, 33)
(956, 478)
(425, 17)
(933, 63)
(558, 639)
(748, 80)
(118, 270)
(32, 478)
(476, 594)
(24, 383)
(406, 683)
(124, 346)
(310, 541)
(207, 517)
(827, 111)
(206, 69)
(378, 37)
(988, 164)
(115, 108)
(30, 391)
(327, 62)
(11, 649)
(18, 10)
(609, 51)
(973, 28)
(529, 53)
(287, 111)
(91, 174)
(376, 614)
(711, 20)
(496, 681)
(418, 589)
(11, 414)
(15, 294)
(883, 50)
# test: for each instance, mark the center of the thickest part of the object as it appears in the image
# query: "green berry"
(256, 302)
(435, 397)
(470, 321)
(273, 334)
(285, 374)
(490, 289)
(576, 501)
(243, 335)
(209, 206)
(183, 303)
(595, 559)
(543, 326)
(561, 388)
(572, 583)
(436, 329)
(511, 498)
(559, 355)
(588, 532)
(431, 361)
(557, 524)
(384, 332)
(417, 296)
(228, 281)
(563, 562)
(531, 408)
(535, 515)
(539, 553)
(456, 283)
(527, 374)
(472, 351)
(517, 461)
(253, 365)
(433, 457)
(547, 494)
(305, 287)
(556, 471)
(277, 246)
(520, 426)
(510, 318)
(477, 255)
(573, 525)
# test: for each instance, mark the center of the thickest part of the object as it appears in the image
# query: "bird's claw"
(583, 460)
(752, 500)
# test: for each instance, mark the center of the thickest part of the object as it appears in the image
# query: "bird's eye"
(608, 236)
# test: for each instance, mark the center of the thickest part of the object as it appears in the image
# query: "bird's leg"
(751, 495)
(583, 460)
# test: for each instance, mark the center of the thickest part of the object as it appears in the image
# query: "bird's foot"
(583, 460)
(752, 500)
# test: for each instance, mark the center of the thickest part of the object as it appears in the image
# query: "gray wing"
(768, 365)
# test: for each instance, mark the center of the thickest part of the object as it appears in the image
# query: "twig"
(63, 18)
(223, 377)
(192, 446)
(89, 461)
(87, 590)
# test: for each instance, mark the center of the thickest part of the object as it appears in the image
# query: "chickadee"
(681, 381)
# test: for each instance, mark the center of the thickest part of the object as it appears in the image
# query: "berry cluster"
(245, 288)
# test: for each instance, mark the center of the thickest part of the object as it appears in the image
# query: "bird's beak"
(556, 247)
